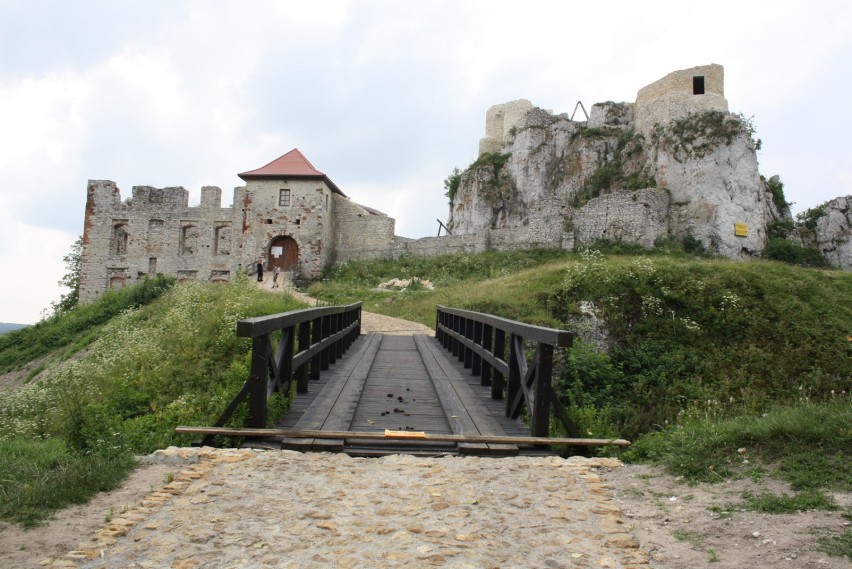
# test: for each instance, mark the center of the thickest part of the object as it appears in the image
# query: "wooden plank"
(294, 433)
(480, 418)
(318, 412)
(457, 415)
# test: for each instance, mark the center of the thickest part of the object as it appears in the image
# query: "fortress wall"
(639, 216)
(155, 233)
(360, 233)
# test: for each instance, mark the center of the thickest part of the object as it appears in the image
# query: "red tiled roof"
(291, 165)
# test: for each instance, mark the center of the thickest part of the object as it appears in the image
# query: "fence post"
(514, 384)
(487, 340)
(468, 333)
(499, 382)
(301, 372)
(259, 379)
(476, 363)
(540, 405)
(316, 337)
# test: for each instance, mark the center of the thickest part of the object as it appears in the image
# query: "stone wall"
(155, 232)
(361, 232)
(499, 122)
(672, 97)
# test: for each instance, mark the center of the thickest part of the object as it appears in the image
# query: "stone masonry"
(288, 214)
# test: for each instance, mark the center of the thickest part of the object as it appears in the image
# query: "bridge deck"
(400, 383)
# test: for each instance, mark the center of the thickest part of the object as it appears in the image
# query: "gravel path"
(250, 508)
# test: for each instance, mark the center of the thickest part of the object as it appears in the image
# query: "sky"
(385, 97)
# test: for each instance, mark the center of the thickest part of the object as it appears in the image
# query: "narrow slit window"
(284, 198)
(698, 85)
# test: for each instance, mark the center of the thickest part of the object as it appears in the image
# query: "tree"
(71, 280)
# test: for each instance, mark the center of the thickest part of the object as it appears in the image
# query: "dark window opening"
(298, 221)
(269, 221)
(698, 85)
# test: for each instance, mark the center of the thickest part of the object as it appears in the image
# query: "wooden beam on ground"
(488, 439)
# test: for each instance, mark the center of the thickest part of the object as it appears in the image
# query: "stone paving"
(230, 508)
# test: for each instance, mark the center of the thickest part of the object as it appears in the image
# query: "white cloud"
(31, 258)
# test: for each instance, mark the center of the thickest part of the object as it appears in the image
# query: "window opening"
(284, 197)
(698, 85)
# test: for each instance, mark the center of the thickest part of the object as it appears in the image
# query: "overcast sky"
(385, 97)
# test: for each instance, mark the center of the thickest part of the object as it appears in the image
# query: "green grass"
(837, 545)
(77, 327)
(809, 442)
(40, 477)
(768, 503)
(176, 360)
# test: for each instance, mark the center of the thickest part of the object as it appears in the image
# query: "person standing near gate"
(275, 273)
(259, 270)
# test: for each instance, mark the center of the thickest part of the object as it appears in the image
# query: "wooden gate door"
(283, 252)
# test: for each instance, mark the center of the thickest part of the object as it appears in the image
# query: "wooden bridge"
(463, 391)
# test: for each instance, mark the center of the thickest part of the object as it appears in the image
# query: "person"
(275, 272)
(259, 270)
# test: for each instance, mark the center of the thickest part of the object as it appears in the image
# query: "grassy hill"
(756, 354)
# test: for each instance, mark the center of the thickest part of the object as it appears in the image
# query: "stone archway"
(283, 252)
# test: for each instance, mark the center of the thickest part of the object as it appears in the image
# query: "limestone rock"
(833, 232)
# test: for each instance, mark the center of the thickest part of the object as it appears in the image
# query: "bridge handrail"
(480, 341)
(311, 339)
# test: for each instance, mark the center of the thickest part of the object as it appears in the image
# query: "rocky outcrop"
(831, 232)
(673, 165)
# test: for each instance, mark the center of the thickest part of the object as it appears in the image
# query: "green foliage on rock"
(451, 184)
(697, 135)
(618, 173)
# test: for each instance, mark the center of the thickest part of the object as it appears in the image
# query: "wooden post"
(316, 337)
(468, 333)
(540, 405)
(513, 386)
(476, 365)
(259, 378)
(324, 355)
(455, 328)
(301, 373)
(487, 340)
(499, 381)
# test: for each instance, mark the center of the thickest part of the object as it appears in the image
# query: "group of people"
(275, 272)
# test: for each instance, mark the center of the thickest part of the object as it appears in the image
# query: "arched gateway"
(283, 253)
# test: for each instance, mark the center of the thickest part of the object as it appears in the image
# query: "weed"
(712, 557)
(786, 504)
(837, 545)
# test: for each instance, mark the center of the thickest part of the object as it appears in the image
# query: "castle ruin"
(674, 164)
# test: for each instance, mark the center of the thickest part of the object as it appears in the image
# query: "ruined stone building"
(289, 214)
(674, 164)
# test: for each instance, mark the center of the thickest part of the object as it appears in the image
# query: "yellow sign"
(741, 230)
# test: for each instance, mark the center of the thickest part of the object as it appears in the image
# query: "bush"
(792, 252)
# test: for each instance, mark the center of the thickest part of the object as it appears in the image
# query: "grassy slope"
(173, 361)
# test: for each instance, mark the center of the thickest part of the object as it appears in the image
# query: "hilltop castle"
(673, 165)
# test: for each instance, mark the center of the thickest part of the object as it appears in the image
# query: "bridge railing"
(311, 339)
(495, 349)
